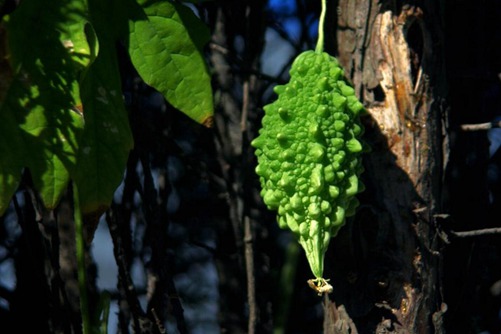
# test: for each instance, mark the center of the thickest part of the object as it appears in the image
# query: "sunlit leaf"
(107, 138)
(48, 52)
(51, 139)
(167, 56)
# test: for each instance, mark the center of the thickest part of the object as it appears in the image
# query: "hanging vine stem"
(320, 42)
(82, 274)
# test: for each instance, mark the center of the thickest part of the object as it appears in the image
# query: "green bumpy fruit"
(309, 153)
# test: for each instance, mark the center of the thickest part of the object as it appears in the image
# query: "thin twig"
(125, 279)
(248, 239)
(158, 322)
(219, 48)
(163, 289)
(245, 107)
(476, 233)
(249, 267)
(480, 126)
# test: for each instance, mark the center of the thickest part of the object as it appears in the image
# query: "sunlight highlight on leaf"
(167, 56)
(107, 138)
(39, 109)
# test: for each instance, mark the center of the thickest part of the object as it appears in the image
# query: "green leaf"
(107, 138)
(36, 27)
(165, 42)
(10, 137)
(48, 53)
(51, 139)
(11, 143)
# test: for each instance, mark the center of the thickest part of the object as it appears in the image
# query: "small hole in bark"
(415, 42)
(378, 93)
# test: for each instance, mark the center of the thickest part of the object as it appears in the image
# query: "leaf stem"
(80, 250)
(320, 42)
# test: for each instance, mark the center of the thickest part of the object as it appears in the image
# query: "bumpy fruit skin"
(309, 153)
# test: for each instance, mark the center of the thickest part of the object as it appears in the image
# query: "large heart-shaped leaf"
(164, 42)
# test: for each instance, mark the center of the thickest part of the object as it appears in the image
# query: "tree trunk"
(387, 262)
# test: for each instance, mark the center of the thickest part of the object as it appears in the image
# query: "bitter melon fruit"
(309, 154)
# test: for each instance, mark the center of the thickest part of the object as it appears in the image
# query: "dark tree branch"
(125, 280)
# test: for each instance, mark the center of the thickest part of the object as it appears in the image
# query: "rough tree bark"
(387, 260)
